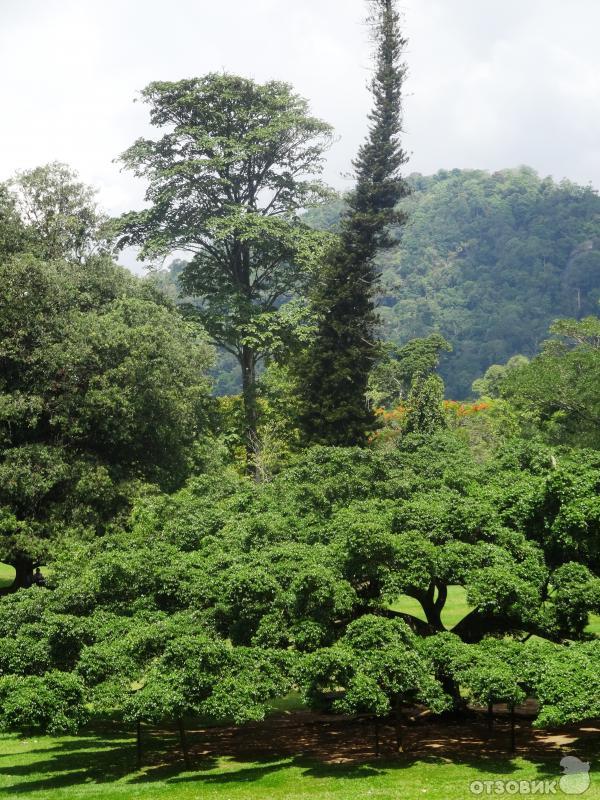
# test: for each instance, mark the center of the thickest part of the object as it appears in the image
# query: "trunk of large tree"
(248, 364)
(490, 717)
(23, 576)
(451, 687)
(433, 601)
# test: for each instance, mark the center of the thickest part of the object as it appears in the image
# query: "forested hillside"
(489, 261)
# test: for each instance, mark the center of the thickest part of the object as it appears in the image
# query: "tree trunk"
(248, 365)
(490, 717)
(432, 605)
(23, 576)
(184, 744)
(513, 733)
(138, 744)
(377, 737)
(451, 687)
(398, 726)
(442, 597)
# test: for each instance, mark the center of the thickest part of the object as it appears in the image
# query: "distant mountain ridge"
(488, 260)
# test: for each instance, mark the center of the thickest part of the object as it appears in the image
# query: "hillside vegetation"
(489, 261)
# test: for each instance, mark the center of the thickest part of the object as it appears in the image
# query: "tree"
(378, 667)
(392, 378)
(336, 369)
(495, 674)
(51, 704)
(120, 633)
(59, 214)
(562, 514)
(425, 412)
(566, 680)
(491, 383)
(201, 601)
(198, 675)
(559, 390)
(12, 230)
(227, 183)
(102, 388)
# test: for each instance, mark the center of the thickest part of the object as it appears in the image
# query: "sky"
(491, 83)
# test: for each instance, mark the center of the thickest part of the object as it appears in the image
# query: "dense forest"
(182, 556)
(489, 261)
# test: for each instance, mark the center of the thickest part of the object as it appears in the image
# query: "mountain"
(488, 261)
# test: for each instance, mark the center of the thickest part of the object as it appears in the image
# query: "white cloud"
(493, 83)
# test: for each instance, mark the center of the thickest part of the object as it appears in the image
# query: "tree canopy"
(488, 261)
(102, 386)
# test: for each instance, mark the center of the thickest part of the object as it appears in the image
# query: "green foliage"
(493, 673)
(559, 390)
(491, 383)
(425, 412)
(102, 388)
(12, 229)
(391, 379)
(567, 682)
(377, 665)
(488, 261)
(58, 215)
(52, 703)
(227, 183)
(206, 602)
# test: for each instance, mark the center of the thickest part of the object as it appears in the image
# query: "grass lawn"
(101, 767)
(7, 575)
(455, 609)
(594, 626)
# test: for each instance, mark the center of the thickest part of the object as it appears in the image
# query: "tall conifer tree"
(336, 370)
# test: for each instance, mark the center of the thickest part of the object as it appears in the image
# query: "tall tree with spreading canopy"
(336, 370)
(227, 183)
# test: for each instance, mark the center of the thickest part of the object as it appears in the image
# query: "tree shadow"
(320, 749)
(71, 763)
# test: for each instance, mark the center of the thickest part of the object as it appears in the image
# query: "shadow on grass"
(66, 763)
(324, 752)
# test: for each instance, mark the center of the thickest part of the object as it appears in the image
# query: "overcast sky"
(492, 84)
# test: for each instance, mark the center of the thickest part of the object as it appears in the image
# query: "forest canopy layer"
(489, 261)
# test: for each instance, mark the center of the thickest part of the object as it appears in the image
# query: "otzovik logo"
(574, 780)
(576, 777)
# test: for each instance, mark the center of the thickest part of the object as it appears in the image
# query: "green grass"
(7, 575)
(594, 626)
(101, 767)
(455, 609)
(291, 702)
